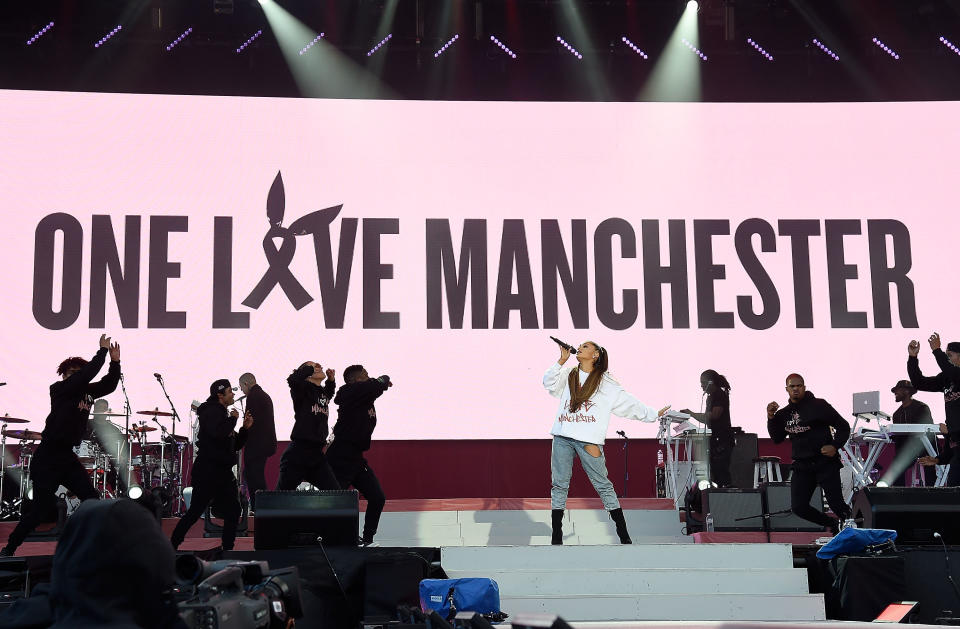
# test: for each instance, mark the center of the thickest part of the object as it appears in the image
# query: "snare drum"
(89, 454)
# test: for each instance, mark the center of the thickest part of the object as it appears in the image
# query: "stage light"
(760, 49)
(40, 33)
(378, 46)
(693, 5)
(703, 485)
(183, 36)
(946, 42)
(135, 492)
(311, 44)
(106, 37)
(882, 483)
(449, 43)
(503, 47)
(573, 51)
(249, 41)
(826, 50)
(886, 49)
(632, 46)
(696, 50)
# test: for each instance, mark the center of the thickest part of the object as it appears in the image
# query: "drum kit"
(118, 461)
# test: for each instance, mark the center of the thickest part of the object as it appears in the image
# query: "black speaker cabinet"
(306, 518)
(741, 461)
(777, 498)
(915, 513)
(734, 509)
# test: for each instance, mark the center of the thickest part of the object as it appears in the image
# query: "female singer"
(588, 396)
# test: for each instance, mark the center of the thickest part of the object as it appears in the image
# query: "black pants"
(51, 467)
(351, 468)
(305, 462)
(807, 474)
(953, 476)
(212, 483)
(254, 475)
(721, 453)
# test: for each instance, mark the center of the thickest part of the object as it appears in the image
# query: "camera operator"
(212, 475)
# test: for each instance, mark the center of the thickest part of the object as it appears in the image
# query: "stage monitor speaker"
(734, 509)
(776, 498)
(539, 621)
(741, 460)
(915, 513)
(303, 518)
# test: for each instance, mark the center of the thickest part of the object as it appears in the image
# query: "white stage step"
(645, 581)
(597, 607)
(691, 556)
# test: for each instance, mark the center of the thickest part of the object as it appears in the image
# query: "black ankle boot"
(617, 516)
(556, 518)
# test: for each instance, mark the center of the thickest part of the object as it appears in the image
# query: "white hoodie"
(589, 423)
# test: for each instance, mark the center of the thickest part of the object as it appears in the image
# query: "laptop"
(867, 402)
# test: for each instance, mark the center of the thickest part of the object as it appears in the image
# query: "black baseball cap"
(219, 386)
(953, 346)
(904, 384)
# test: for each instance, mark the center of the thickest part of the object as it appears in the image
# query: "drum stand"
(4, 508)
(127, 411)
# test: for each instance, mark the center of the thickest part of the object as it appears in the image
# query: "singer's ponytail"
(578, 394)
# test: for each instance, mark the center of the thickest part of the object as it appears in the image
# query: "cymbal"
(109, 414)
(142, 428)
(26, 435)
(156, 412)
(13, 420)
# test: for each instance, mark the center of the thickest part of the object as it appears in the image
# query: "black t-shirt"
(720, 427)
(916, 413)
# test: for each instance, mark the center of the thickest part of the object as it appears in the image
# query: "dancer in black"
(807, 421)
(212, 475)
(261, 438)
(717, 418)
(304, 459)
(54, 463)
(947, 382)
(356, 419)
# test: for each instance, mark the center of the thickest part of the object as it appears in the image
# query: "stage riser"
(663, 581)
(524, 540)
(668, 607)
(690, 556)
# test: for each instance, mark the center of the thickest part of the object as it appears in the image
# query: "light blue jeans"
(561, 468)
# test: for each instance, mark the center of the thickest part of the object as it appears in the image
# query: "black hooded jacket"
(356, 415)
(807, 423)
(71, 400)
(948, 383)
(216, 441)
(310, 407)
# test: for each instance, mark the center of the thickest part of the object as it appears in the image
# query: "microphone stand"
(626, 454)
(176, 417)
(127, 410)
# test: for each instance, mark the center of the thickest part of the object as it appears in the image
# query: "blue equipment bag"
(853, 540)
(474, 595)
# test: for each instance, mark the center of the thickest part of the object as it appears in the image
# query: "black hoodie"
(71, 400)
(948, 383)
(310, 407)
(356, 415)
(808, 424)
(216, 441)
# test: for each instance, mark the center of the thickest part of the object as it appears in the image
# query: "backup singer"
(54, 462)
(356, 419)
(588, 396)
(947, 381)
(807, 421)
(717, 418)
(304, 459)
(261, 438)
(212, 475)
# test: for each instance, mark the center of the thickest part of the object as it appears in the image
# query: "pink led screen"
(443, 242)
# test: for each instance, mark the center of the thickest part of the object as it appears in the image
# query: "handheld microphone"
(566, 346)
